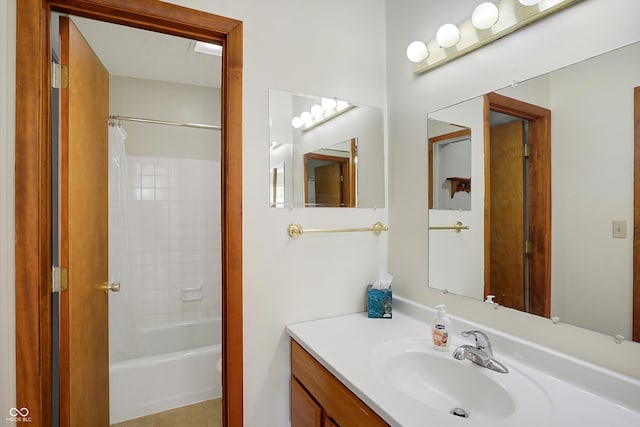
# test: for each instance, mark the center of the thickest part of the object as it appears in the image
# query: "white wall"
(585, 29)
(7, 252)
(174, 102)
(331, 48)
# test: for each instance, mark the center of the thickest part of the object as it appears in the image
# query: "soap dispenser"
(441, 329)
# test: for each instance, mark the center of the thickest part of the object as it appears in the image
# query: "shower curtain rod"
(164, 122)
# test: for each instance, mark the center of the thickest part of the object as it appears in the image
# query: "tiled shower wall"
(174, 242)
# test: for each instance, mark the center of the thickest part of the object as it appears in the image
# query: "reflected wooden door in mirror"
(518, 202)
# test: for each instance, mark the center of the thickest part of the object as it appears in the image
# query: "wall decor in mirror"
(324, 152)
(560, 247)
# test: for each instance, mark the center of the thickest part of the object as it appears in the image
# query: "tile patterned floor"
(205, 414)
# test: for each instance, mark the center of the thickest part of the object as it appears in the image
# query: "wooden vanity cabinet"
(318, 399)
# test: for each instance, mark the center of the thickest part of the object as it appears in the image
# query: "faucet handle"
(482, 340)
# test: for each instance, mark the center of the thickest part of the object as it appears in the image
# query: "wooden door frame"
(636, 215)
(33, 181)
(539, 196)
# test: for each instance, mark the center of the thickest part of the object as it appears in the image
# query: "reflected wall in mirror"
(449, 166)
(327, 152)
(591, 159)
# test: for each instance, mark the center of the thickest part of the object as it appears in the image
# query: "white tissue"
(383, 281)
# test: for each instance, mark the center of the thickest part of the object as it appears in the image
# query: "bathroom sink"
(459, 388)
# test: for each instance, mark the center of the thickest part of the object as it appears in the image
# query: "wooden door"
(33, 179)
(84, 338)
(507, 214)
(328, 185)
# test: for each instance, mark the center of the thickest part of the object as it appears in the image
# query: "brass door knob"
(113, 287)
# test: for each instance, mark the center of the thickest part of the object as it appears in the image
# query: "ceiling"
(132, 52)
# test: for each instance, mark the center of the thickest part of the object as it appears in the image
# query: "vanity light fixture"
(529, 2)
(320, 113)
(490, 21)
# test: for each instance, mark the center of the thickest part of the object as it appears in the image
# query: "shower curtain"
(122, 304)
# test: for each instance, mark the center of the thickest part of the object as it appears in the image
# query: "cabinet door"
(344, 407)
(329, 422)
(305, 412)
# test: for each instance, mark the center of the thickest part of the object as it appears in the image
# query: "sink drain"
(459, 412)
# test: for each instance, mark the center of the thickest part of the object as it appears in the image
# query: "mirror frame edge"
(636, 216)
(33, 180)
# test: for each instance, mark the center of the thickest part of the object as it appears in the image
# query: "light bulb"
(484, 16)
(529, 2)
(317, 111)
(328, 104)
(448, 35)
(307, 118)
(417, 51)
(297, 122)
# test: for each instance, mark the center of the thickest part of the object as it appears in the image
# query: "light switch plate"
(619, 229)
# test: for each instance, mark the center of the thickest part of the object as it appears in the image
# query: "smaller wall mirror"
(325, 152)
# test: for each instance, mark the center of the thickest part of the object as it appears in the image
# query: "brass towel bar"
(458, 227)
(296, 230)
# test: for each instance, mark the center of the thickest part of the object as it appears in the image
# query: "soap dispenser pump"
(441, 329)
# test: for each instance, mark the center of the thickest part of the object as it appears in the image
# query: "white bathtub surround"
(175, 238)
(173, 366)
(571, 391)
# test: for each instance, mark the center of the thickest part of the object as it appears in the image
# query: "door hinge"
(528, 247)
(526, 150)
(58, 279)
(59, 76)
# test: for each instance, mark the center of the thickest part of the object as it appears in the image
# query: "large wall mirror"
(324, 152)
(551, 218)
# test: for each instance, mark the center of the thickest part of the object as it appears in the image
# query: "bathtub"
(174, 366)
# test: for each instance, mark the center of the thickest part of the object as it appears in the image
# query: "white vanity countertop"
(577, 393)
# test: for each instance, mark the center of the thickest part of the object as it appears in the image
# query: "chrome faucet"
(481, 354)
